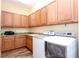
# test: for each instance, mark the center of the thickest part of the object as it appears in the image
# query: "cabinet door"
(29, 42)
(52, 13)
(32, 20)
(8, 42)
(65, 11)
(17, 20)
(7, 19)
(43, 16)
(20, 41)
(0, 45)
(38, 18)
(35, 19)
(74, 10)
(24, 21)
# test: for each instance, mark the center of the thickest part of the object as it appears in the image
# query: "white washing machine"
(54, 47)
(60, 47)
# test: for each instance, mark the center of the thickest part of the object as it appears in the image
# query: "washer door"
(54, 51)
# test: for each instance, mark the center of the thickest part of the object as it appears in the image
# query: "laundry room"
(39, 29)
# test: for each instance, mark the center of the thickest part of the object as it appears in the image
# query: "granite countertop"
(27, 33)
(33, 34)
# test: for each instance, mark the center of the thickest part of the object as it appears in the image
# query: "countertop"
(28, 33)
(33, 34)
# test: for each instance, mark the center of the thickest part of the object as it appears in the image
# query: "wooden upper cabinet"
(43, 16)
(7, 19)
(35, 19)
(75, 10)
(17, 20)
(32, 20)
(66, 10)
(58, 12)
(13, 20)
(38, 18)
(24, 21)
(52, 13)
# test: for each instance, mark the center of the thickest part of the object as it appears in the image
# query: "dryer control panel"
(68, 34)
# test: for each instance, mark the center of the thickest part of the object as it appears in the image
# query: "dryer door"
(54, 51)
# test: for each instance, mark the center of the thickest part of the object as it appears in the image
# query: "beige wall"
(58, 28)
(16, 30)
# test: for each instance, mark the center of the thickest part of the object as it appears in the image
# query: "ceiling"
(28, 3)
(24, 7)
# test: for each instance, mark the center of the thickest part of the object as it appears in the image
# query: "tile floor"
(18, 53)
